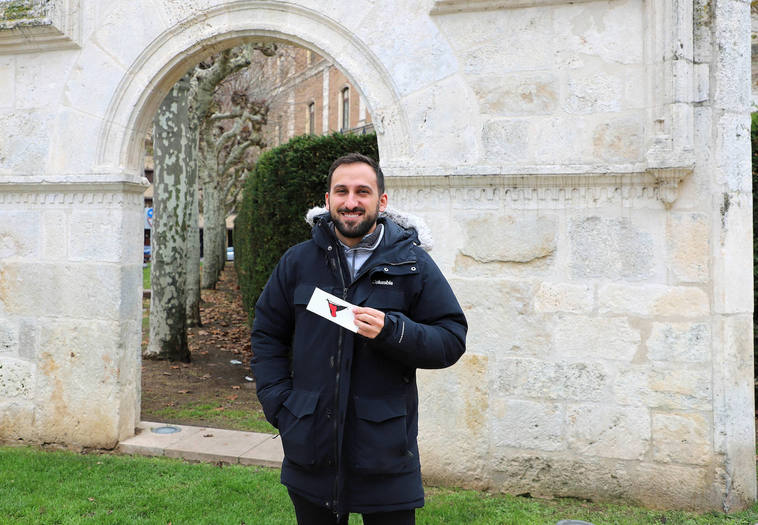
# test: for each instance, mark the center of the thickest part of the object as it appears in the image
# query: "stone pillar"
(70, 298)
(732, 234)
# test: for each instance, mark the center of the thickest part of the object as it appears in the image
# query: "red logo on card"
(334, 308)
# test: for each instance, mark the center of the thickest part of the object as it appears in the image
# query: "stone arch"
(168, 56)
(140, 90)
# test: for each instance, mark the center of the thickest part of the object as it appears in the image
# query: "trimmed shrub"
(287, 181)
(754, 150)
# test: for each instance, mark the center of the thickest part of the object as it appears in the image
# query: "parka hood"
(405, 220)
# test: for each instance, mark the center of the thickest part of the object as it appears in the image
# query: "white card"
(333, 309)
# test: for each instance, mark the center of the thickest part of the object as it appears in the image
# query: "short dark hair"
(354, 158)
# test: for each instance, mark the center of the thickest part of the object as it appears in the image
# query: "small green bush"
(287, 181)
(754, 150)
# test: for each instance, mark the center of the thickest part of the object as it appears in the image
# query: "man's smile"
(351, 214)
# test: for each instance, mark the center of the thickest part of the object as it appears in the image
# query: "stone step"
(212, 445)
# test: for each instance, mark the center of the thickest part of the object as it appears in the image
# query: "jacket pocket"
(380, 444)
(386, 300)
(296, 425)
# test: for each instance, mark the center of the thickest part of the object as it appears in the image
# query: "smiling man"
(345, 401)
(357, 188)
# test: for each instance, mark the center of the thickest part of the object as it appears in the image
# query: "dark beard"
(359, 230)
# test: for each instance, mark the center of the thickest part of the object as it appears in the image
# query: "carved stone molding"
(70, 195)
(41, 26)
(669, 34)
(657, 187)
(441, 7)
(668, 180)
(163, 61)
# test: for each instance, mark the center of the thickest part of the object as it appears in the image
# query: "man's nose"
(352, 200)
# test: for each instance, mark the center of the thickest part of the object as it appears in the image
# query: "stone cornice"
(441, 7)
(72, 194)
(576, 190)
(70, 180)
(660, 184)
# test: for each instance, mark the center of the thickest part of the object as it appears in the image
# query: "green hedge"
(287, 181)
(754, 149)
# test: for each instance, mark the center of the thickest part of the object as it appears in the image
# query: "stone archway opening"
(303, 94)
(164, 61)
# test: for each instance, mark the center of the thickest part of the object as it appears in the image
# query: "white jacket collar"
(401, 218)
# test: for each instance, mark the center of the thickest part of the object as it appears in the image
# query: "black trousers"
(311, 514)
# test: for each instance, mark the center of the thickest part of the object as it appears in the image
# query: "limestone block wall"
(70, 308)
(585, 169)
(589, 364)
(603, 348)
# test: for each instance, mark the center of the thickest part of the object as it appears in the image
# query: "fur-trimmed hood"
(401, 218)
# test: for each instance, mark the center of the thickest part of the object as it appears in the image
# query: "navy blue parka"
(346, 406)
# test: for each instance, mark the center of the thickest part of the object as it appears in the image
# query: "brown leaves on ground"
(213, 376)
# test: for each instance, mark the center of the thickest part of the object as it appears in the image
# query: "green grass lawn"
(146, 277)
(210, 415)
(40, 487)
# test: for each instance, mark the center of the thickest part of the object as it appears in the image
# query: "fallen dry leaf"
(236, 387)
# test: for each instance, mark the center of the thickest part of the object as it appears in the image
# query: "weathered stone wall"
(584, 166)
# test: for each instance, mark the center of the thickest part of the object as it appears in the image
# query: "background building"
(310, 95)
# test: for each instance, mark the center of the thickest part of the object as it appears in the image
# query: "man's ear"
(326, 199)
(383, 202)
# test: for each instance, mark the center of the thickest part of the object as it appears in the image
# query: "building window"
(345, 109)
(311, 118)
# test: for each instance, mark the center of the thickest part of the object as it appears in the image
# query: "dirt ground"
(171, 390)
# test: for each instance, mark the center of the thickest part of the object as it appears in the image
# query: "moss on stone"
(702, 15)
(15, 10)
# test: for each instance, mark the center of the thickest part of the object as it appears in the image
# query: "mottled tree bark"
(174, 153)
(193, 256)
(212, 138)
(222, 160)
(212, 234)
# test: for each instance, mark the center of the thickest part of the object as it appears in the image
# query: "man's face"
(354, 202)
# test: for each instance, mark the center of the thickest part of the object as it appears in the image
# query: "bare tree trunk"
(212, 234)
(193, 260)
(213, 137)
(223, 241)
(174, 154)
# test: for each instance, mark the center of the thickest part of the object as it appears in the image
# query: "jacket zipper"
(337, 458)
(337, 415)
